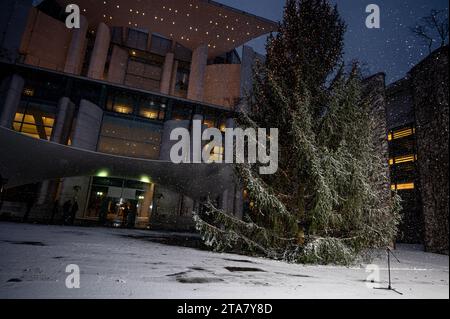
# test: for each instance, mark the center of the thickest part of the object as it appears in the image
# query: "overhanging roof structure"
(25, 160)
(189, 22)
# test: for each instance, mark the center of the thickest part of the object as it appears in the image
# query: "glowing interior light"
(103, 173)
(145, 179)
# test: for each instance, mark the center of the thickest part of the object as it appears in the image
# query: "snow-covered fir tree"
(325, 203)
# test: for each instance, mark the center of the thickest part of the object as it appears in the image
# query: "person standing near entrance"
(67, 207)
(30, 203)
(73, 211)
(131, 218)
(125, 212)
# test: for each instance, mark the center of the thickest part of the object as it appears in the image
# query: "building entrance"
(120, 203)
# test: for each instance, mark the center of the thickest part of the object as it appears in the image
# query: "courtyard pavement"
(120, 263)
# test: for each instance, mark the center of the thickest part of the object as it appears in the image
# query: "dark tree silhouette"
(432, 28)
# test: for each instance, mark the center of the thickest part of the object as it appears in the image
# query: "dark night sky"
(391, 49)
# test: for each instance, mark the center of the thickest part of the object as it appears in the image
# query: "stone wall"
(429, 84)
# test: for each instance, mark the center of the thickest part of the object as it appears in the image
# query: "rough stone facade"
(429, 84)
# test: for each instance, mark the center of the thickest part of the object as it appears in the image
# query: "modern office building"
(418, 128)
(119, 84)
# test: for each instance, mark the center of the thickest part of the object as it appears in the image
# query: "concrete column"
(197, 75)
(85, 136)
(12, 88)
(148, 199)
(87, 129)
(173, 83)
(118, 66)
(100, 52)
(143, 219)
(60, 134)
(63, 122)
(77, 48)
(167, 73)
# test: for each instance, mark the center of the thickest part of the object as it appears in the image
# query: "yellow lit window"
(29, 129)
(18, 117)
(401, 134)
(403, 186)
(390, 137)
(16, 126)
(29, 119)
(28, 92)
(403, 159)
(48, 121)
(124, 109)
(48, 132)
(26, 124)
(148, 113)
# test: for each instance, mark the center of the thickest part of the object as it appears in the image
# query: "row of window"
(402, 186)
(399, 134)
(402, 158)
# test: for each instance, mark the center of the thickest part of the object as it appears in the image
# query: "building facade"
(418, 128)
(119, 84)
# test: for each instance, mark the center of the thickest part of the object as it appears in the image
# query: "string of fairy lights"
(171, 17)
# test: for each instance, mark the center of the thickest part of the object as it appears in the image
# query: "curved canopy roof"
(26, 160)
(189, 22)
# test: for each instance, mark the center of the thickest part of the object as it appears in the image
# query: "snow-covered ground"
(116, 263)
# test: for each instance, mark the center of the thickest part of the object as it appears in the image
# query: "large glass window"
(35, 120)
(137, 39)
(49, 87)
(120, 102)
(152, 108)
(112, 199)
(130, 138)
(160, 45)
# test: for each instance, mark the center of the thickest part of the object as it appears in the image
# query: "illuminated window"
(403, 159)
(141, 140)
(395, 135)
(124, 109)
(390, 137)
(48, 121)
(28, 92)
(148, 113)
(402, 186)
(35, 125)
(18, 117)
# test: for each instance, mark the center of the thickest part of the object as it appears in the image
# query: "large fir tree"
(324, 205)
